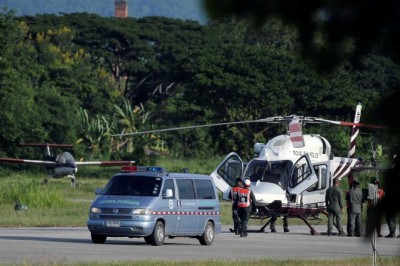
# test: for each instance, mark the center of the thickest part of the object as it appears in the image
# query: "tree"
(19, 119)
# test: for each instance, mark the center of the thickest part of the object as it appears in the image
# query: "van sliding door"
(187, 207)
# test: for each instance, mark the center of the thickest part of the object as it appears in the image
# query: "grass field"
(60, 204)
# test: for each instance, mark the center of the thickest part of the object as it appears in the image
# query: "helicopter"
(62, 165)
(291, 172)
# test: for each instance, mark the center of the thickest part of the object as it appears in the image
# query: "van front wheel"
(207, 238)
(157, 236)
(98, 239)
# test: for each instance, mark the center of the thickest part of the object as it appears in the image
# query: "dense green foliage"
(80, 78)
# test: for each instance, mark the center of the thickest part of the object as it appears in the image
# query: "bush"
(29, 192)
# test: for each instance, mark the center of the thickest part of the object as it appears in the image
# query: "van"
(154, 204)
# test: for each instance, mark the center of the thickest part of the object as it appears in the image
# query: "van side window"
(204, 189)
(169, 184)
(185, 188)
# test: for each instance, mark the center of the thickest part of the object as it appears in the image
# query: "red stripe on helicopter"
(344, 167)
(300, 211)
(296, 135)
(359, 124)
(339, 166)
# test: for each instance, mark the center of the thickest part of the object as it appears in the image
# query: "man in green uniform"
(356, 197)
(334, 206)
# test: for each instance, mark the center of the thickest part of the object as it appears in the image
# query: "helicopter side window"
(255, 170)
(301, 171)
(231, 171)
(321, 172)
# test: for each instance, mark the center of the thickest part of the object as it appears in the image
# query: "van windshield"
(128, 185)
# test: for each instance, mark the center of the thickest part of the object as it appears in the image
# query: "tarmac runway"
(49, 245)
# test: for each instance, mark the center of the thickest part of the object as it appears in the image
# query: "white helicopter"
(291, 173)
(62, 165)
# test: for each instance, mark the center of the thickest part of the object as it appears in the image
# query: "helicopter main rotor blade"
(349, 124)
(45, 145)
(263, 120)
(275, 119)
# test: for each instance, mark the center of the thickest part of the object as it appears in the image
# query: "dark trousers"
(355, 224)
(334, 215)
(348, 221)
(236, 220)
(244, 216)
(273, 220)
(391, 221)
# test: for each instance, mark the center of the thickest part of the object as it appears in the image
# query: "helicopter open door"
(315, 194)
(301, 178)
(227, 172)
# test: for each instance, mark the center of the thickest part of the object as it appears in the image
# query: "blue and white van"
(154, 204)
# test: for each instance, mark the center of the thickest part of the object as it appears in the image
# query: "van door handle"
(207, 208)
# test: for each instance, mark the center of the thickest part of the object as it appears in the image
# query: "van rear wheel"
(98, 239)
(207, 238)
(158, 235)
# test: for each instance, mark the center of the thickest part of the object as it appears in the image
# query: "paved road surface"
(47, 245)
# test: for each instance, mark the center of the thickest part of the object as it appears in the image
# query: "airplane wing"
(25, 161)
(55, 163)
(105, 163)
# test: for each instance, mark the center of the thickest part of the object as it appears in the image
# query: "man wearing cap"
(233, 194)
(356, 197)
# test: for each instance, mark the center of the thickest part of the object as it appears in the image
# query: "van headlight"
(95, 210)
(141, 211)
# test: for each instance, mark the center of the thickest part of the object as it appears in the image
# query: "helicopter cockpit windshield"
(276, 172)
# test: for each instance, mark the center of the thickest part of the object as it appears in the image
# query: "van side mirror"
(97, 191)
(168, 193)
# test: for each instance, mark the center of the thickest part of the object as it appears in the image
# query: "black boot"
(391, 235)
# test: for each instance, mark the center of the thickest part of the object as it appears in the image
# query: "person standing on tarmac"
(391, 221)
(380, 193)
(233, 194)
(348, 207)
(245, 203)
(333, 202)
(356, 198)
(285, 224)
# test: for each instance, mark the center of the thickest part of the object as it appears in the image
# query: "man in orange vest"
(233, 194)
(245, 203)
